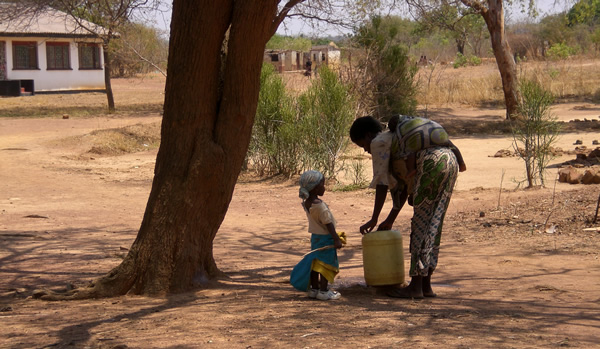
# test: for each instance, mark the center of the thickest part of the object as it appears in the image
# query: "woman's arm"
(380, 195)
(399, 201)
(462, 167)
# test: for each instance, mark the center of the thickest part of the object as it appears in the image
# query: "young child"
(320, 266)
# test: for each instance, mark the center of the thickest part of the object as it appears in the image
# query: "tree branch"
(145, 59)
(283, 13)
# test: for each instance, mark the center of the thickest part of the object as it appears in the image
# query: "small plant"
(474, 60)
(356, 171)
(463, 61)
(534, 130)
(460, 61)
(350, 187)
(553, 73)
(560, 51)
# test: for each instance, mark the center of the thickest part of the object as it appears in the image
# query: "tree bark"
(209, 110)
(460, 46)
(107, 85)
(494, 19)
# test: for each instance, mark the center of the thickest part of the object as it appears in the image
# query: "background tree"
(463, 25)
(280, 42)
(386, 84)
(138, 50)
(584, 12)
(492, 12)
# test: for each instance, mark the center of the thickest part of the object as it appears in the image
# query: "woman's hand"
(367, 227)
(385, 225)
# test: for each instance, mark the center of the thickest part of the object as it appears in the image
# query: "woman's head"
(309, 181)
(363, 130)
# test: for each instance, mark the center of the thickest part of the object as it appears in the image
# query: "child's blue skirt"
(324, 262)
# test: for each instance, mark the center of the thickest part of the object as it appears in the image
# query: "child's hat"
(308, 181)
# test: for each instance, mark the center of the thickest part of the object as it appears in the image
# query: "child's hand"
(338, 244)
(411, 173)
(462, 167)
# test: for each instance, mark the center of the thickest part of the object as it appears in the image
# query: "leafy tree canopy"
(584, 12)
(280, 42)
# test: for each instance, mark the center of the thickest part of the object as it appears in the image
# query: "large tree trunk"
(494, 19)
(107, 84)
(208, 115)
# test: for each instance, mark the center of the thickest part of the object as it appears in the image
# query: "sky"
(295, 27)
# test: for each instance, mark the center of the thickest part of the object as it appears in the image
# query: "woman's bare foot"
(429, 293)
(414, 290)
(427, 290)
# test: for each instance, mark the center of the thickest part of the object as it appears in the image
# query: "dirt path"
(502, 280)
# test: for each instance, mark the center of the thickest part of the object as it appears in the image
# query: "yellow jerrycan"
(383, 260)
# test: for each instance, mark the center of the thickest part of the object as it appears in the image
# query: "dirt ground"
(517, 268)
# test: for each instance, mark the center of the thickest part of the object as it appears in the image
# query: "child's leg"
(325, 293)
(323, 283)
(314, 280)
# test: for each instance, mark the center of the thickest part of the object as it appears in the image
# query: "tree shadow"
(78, 334)
(26, 256)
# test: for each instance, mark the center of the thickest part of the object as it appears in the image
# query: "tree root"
(89, 292)
(122, 281)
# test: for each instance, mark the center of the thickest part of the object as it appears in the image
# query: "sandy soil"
(504, 280)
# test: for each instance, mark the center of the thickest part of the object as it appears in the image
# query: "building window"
(89, 56)
(24, 55)
(57, 55)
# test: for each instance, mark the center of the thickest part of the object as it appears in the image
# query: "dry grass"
(115, 141)
(135, 96)
(572, 79)
(481, 86)
(124, 140)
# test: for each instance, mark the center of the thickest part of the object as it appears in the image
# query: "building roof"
(48, 22)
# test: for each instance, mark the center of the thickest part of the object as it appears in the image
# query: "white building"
(52, 51)
(329, 55)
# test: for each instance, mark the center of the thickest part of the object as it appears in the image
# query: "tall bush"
(534, 130)
(294, 134)
(327, 110)
(275, 140)
(387, 82)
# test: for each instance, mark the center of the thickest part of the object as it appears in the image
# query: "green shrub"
(463, 61)
(474, 60)
(534, 130)
(560, 51)
(326, 112)
(460, 61)
(275, 142)
(295, 134)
